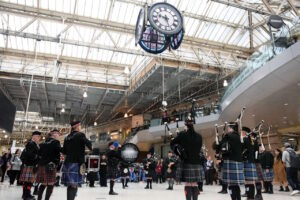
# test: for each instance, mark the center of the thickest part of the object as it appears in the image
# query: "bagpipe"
(172, 160)
(224, 147)
(258, 131)
(177, 148)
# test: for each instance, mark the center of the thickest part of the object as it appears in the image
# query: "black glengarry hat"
(36, 133)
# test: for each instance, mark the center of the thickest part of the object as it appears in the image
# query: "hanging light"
(5, 136)
(225, 84)
(3, 131)
(126, 70)
(126, 115)
(85, 94)
(43, 138)
(36, 127)
(95, 123)
(63, 110)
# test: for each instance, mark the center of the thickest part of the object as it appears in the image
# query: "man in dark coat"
(49, 160)
(149, 167)
(233, 168)
(192, 172)
(250, 173)
(267, 162)
(30, 159)
(113, 158)
(74, 151)
(170, 165)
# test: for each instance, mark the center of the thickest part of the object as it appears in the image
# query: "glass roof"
(101, 32)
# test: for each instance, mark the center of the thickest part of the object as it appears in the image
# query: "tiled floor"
(135, 191)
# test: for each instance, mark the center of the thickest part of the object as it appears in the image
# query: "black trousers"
(14, 175)
(292, 177)
(103, 179)
(209, 176)
(3, 168)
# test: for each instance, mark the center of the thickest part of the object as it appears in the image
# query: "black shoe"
(281, 189)
(223, 192)
(147, 187)
(168, 188)
(30, 198)
(126, 185)
(112, 193)
(287, 189)
(270, 192)
(123, 187)
(244, 195)
(258, 197)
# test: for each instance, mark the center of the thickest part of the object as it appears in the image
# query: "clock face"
(140, 26)
(165, 18)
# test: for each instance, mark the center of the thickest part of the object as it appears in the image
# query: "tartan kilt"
(268, 177)
(250, 173)
(192, 173)
(259, 172)
(71, 175)
(233, 173)
(46, 177)
(27, 174)
(112, 172)
(178, 172)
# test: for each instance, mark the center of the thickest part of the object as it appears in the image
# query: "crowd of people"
(238, 163)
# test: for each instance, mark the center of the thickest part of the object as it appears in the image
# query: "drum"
(129, 153)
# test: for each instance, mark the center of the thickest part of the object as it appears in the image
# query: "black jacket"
(192, 144)
(235, 153)
(113, 158)
(266, 160)
(30, 154)
(249, 149)
(49, 152)
(74, 147)
(151, 166)
(168, 160)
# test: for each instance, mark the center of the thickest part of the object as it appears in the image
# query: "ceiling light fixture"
(85, 94)
(95, 123)
(3, 131)
(291, 139)
(253, 115)
(225, 83)
(284, 117)
(126, 115)
(63, 110)
(286, 104)
(5, 136)
(36, 127)
(126, 70)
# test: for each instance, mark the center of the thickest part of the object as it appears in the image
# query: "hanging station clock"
(158, 27)
(140, 26)
(165, 18)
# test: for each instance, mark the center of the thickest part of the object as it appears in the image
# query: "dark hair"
(279, 157)
(17, 151)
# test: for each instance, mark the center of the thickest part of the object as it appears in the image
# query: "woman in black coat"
(103, 171)
(49, 160)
